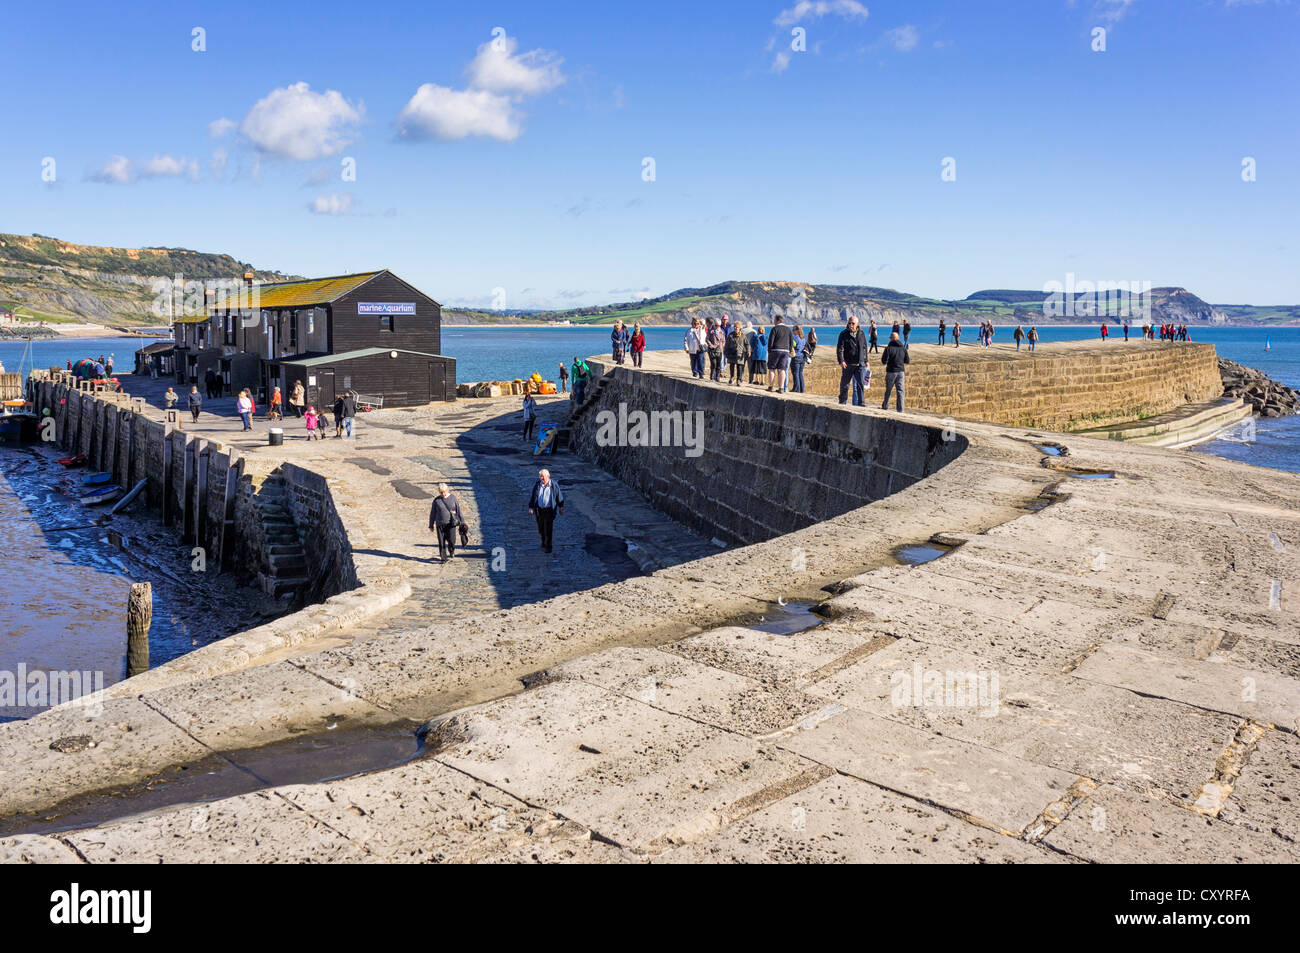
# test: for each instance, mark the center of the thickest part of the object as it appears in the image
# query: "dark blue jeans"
(796, 373)
(697, 364)
(854, 374)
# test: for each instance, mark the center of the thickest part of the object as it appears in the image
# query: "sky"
(550, 155)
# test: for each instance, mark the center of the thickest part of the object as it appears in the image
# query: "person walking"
(618, 340)
(296, 398)
(195, 402)
(637, 343)
(445, 518)
(907, 330)
(245, 408)
(895, 360)
(208, 378)
(1126, 331)
(1018, 333)
(780, 343)
(715, 340)
(564, 378)
(530, 416)
(943, 327)
(1104, 331)
(545, 503)
(277, 404)
(693, 343)
(872, 336)
(734, 350)
(312, 423)
(344, 413)
(1033, 338)
(581, 376)
(851, 354)
(956, 334)
(797, 360)
(758, 357)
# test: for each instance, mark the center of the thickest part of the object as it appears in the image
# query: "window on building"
(293, 332)
(228, 329)
(385, 322)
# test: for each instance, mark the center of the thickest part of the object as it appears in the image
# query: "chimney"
(248, 278)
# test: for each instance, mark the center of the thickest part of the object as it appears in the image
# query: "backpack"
(810, 345)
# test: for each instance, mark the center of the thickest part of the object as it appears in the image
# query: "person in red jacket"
(637, 345)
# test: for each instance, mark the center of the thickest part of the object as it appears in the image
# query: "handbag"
(464, 534)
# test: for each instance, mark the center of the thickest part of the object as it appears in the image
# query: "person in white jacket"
(245, 407)
(695, 347)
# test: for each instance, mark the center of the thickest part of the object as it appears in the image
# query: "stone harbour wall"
(1057, 387)
(766, 466)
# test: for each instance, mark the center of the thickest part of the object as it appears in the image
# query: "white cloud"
(781, 62)
(497, 69)
(119, 170)
(1112, 11)
(164, 166)
(296, 123)
(903, 38)
(333, 203)
(436, 112)
(221, 127)
(219, 159)
(116, 171)
(815, 9)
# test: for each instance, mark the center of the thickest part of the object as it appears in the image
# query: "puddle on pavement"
(1051, 449)
(789, 619)
(915, 554)
(1092, 474)
(310, 758)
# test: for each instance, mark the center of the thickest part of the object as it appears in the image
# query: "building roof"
(305, 294)
(353, 355)
(157, 347)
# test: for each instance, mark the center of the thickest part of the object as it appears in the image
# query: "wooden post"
(139, 614)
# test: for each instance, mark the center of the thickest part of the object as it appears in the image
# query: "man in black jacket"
(894, 358)
(444, 517)
(780, 344)
(851, 353)
(349, 411)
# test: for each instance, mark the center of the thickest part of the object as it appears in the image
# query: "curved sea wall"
(745, 467)
(1061, 386)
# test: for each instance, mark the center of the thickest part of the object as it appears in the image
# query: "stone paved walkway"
(391, 468)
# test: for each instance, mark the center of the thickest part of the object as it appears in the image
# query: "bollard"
(139, 613)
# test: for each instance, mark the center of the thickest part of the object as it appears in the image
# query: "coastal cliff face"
(46, 276)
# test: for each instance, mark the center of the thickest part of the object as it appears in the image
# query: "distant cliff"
(51, 279)
(833, 304)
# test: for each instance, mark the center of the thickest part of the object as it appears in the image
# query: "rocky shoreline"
(1265, 395)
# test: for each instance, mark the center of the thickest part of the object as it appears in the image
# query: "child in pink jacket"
(312, 420)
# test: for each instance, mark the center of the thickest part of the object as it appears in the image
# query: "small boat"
(97, 478)
(17, 423)
(101, 496)
(77, 461)
(1268, 345)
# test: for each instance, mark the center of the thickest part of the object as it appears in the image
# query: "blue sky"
(508, 167)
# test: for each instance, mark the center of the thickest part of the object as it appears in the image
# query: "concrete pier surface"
(1103, 666)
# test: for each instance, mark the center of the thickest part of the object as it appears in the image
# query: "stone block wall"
(324, 537)
(1059, 389)
(213, 508)
(767, 466)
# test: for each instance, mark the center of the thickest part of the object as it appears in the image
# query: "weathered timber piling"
(139, 615)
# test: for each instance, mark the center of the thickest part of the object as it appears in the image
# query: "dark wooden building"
(371, 333)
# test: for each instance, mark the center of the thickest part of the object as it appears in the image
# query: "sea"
(62, 608)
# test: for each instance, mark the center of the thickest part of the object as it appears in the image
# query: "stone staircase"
(564, 438)
(284, 573)
(1181, 427)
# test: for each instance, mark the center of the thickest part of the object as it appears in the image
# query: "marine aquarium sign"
(385, 307)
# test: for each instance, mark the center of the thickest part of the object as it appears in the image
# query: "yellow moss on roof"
(302, 294)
